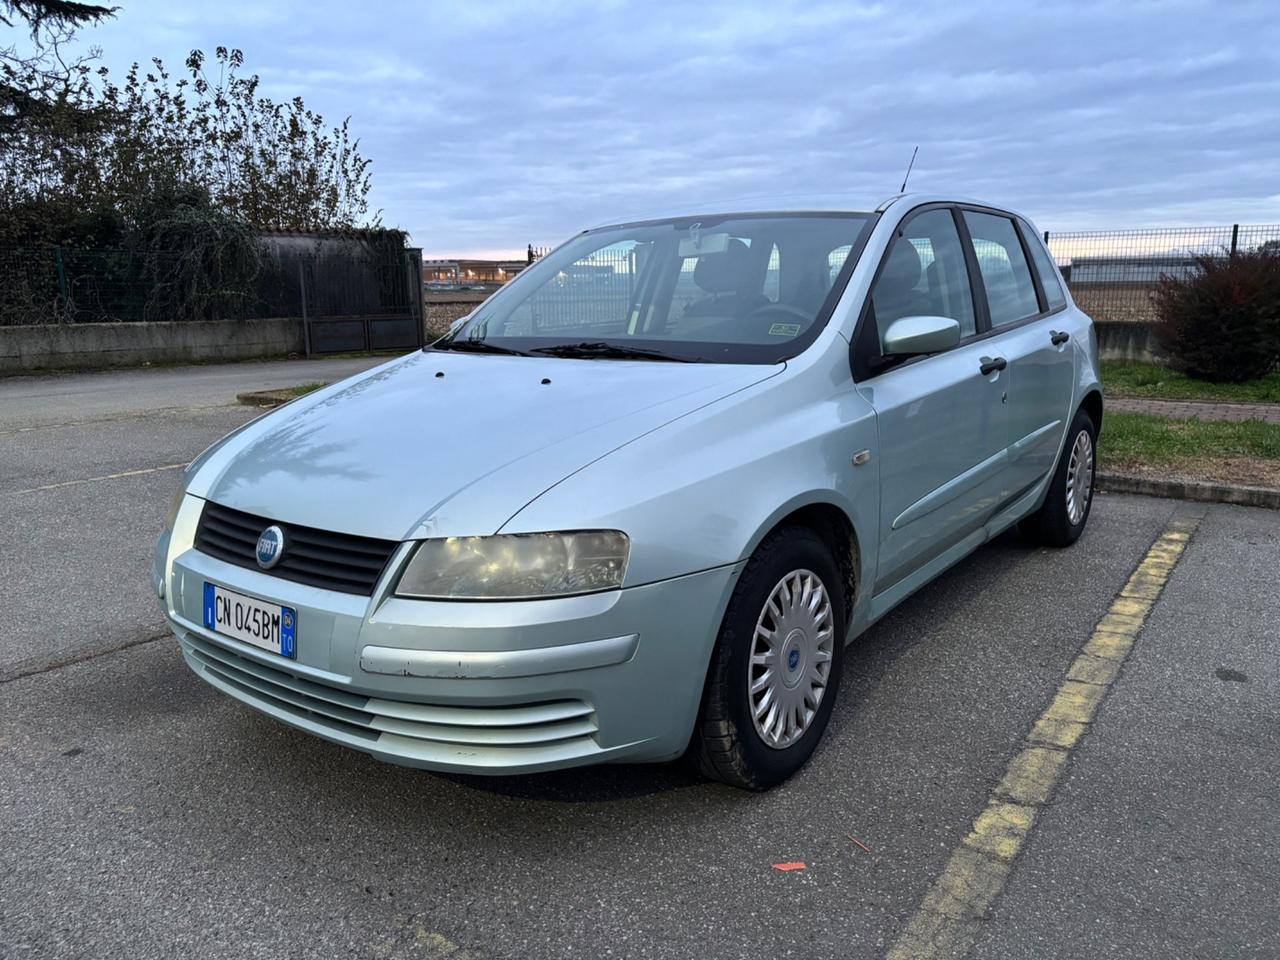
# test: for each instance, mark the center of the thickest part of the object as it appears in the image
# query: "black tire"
(726, 744)
(1052, 525)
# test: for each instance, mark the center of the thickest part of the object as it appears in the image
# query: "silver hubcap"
(1079, 477)
(790, 659)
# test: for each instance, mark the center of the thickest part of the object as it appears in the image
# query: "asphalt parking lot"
(143, 814)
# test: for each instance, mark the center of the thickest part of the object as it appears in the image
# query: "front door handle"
(1058, 337)
(992, 364)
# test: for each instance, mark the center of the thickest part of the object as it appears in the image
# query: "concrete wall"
(1128, 340)
(68, 346)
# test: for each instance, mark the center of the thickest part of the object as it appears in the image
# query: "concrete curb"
(1190, 490)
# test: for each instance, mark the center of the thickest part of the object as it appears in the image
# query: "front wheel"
(1060, 521)
(776, 666)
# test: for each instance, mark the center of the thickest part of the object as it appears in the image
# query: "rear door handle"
(1058, 337)
(992, 364)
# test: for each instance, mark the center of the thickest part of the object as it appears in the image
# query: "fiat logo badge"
(270, 547)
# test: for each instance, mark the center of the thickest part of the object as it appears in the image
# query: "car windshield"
(752, 288)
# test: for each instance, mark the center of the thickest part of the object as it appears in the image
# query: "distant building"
(1139, 269)
(471, 271)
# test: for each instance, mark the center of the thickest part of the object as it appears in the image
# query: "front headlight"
(518, 566)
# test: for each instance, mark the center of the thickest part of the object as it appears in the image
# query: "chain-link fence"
(40, 285)
(66, 285)
(1111, 273)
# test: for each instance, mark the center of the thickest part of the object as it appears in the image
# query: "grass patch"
(1247, 452)
(1123, 379)
(302, 389)
(1139, 436)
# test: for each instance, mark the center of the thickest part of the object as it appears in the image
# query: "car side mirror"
(457, 324)
(909, 336)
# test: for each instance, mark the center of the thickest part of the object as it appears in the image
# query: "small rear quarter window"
(1050, 275)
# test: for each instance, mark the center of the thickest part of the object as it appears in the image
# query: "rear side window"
(1050, 277)
(1011, 293)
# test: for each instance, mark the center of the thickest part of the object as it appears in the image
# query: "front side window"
(744, 289)
(1011, 293)
(924, 275)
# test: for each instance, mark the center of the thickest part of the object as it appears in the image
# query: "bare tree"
(38, 85)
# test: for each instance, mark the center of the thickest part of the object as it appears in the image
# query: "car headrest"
(902, 271)
(727, 272)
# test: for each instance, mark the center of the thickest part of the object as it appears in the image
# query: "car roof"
(828, 204)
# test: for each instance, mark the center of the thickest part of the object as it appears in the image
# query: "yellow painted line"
(947, 920)
(109, 476)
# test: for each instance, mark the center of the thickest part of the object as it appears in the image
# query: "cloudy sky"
(492, 124)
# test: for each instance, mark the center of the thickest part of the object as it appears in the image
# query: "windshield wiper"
(598, 349)
(476, 346)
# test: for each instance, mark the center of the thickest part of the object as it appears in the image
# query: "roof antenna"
(909, 166)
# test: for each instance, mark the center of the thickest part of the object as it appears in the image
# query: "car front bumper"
(469, 687)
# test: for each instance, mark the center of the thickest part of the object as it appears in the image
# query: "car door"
(941, 418)
(1024, 303)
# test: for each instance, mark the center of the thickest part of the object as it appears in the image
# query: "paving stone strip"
(1197, 409)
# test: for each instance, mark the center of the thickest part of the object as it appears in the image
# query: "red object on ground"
(789, 865)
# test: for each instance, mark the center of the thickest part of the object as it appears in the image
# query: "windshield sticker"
(784, 330)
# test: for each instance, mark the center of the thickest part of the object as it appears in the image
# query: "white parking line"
(109, 476)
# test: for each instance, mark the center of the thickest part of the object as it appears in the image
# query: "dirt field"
(1114, 301)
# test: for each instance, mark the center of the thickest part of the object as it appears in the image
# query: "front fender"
(703, 491)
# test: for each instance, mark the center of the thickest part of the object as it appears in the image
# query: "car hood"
(448, 444)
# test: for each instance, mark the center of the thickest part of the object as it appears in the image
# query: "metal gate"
(352, 304)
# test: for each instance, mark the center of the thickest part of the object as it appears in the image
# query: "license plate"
(266, 625)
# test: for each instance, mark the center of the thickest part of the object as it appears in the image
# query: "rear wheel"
(1060, 521)
(776, 666)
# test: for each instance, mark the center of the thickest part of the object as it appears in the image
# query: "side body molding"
(952, 488)
(1035, 438)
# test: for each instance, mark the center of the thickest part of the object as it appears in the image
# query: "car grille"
(318, 558)
(499, 733)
